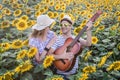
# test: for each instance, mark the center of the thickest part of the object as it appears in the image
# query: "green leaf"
(26, 76)
(106, 40)
(38, 68)
(48, 72)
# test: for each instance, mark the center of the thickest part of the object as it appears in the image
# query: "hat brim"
(41, 27)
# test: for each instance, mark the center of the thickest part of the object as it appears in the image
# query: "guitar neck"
(94, 17)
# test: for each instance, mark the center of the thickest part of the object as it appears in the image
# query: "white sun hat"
(43, 21)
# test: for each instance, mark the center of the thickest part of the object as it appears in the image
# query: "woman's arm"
(52, 41)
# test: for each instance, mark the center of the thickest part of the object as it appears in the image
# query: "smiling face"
(65, 27)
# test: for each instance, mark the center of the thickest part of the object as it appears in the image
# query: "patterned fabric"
(59, 42)
(35, 42)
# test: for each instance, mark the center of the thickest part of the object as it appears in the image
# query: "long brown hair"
(37, 33)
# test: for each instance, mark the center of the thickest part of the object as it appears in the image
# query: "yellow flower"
(8, 76)
(25, 42)
(1, 6)
(22, 25)
(94, 40)
(57, 7)
(52, 25)
(26, 66)
(52, 3)
(50, 14)
(24, 17)
(102, 61)
(87, 55)
(28, 11)
(5, 24)
(16, 44)
(55, 14)
(37, 13)
(8, 12)
(42, 10)
(17, 12)
(101, 27)
(14, 22)
(89, 69)
(1, 77)
(48, 61)
(21, 54)
(61, 16)
(5, 46)
(32, 51)
(84, 76)
(114, 66)
(77, 30)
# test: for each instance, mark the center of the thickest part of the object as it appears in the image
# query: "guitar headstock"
(96, 15)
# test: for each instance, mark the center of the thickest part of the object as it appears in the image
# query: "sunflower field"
(101, 61)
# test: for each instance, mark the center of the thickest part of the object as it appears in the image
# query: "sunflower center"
(22, 24)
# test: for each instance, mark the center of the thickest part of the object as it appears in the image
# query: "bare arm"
(48, 46)
(88, 41)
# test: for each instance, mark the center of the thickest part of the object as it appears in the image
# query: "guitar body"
(75, 49)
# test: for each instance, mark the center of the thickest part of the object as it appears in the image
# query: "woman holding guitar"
(61, 44)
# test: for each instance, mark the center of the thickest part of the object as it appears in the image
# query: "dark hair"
(65, 19)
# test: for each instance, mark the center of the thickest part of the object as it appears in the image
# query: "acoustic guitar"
(72, 46)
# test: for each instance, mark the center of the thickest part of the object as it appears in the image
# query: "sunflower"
(77, 30)
(52, 25)
(17, 12)
(101, 27)
(32, 51)
(15, 5)
(28, 11)
(61, 16)
(114, 66)
(26, 66)
(102, 61)
(51, 3)
(24, 17)
(1, 77)
(5, 24)
(22, 25)
(8, 76)
(50, 14)
(1, 6)
(37, 7)
(46, 8)
(88, 54)
(37, 13)
(56, 77)
(8, 12)
(16, 44)
(14, 22)
(42, 10)
(84, 76)
(89, 69)
(48, 61)
(21, 54)
(94, 40)
(29, 23)
(25, 42)
(57, 7)
(55, 15)
(1, 15)
(5, 46)
(63, 8)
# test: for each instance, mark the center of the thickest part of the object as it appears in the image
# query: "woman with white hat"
(42, 37)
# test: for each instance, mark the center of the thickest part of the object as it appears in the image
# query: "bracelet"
(46, 49)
